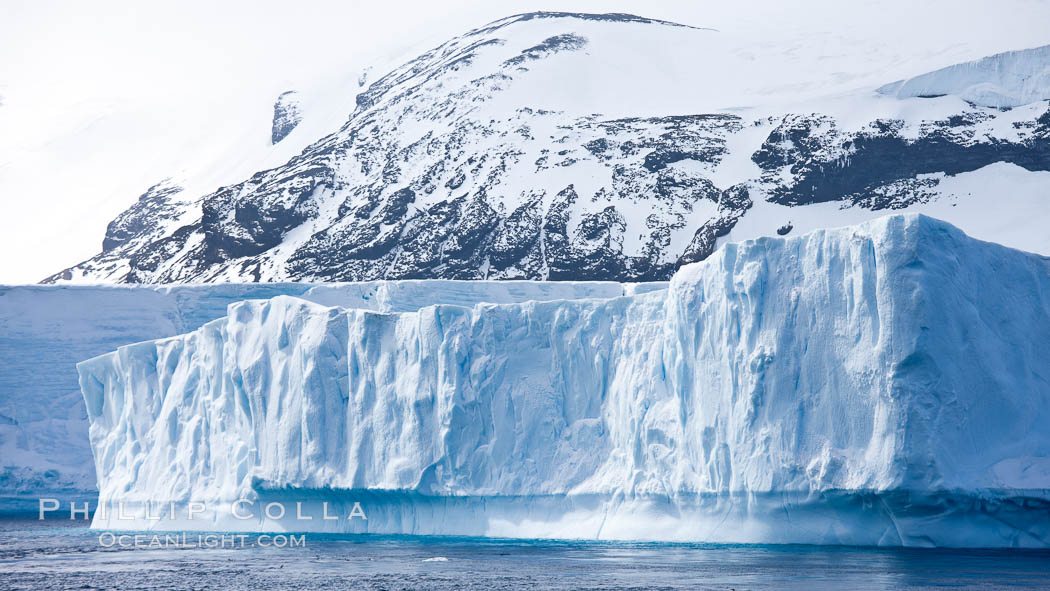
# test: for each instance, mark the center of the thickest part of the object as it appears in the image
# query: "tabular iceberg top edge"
(166, 287)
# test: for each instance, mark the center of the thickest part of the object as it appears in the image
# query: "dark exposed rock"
(877, 167)
(286, 116)
(565, 42)
(608, 17)
(734, 203)
(144, 217)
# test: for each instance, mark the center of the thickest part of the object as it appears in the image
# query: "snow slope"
(46, 330)
(884, 383)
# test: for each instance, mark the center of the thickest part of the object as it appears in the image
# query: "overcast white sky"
(98, 97)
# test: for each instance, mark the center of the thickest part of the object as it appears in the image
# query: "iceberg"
(46, 329)
(880, 384)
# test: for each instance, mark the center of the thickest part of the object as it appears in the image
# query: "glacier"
(1004, 80)
(46, 330)
(878, 384)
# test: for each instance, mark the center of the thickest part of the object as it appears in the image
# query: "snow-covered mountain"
(582, 146)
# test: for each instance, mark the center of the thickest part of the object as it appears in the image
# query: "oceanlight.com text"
(208, 541)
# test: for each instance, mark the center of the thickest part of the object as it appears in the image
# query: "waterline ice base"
(868, 518)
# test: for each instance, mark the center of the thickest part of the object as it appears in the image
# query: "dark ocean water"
(57, 554)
